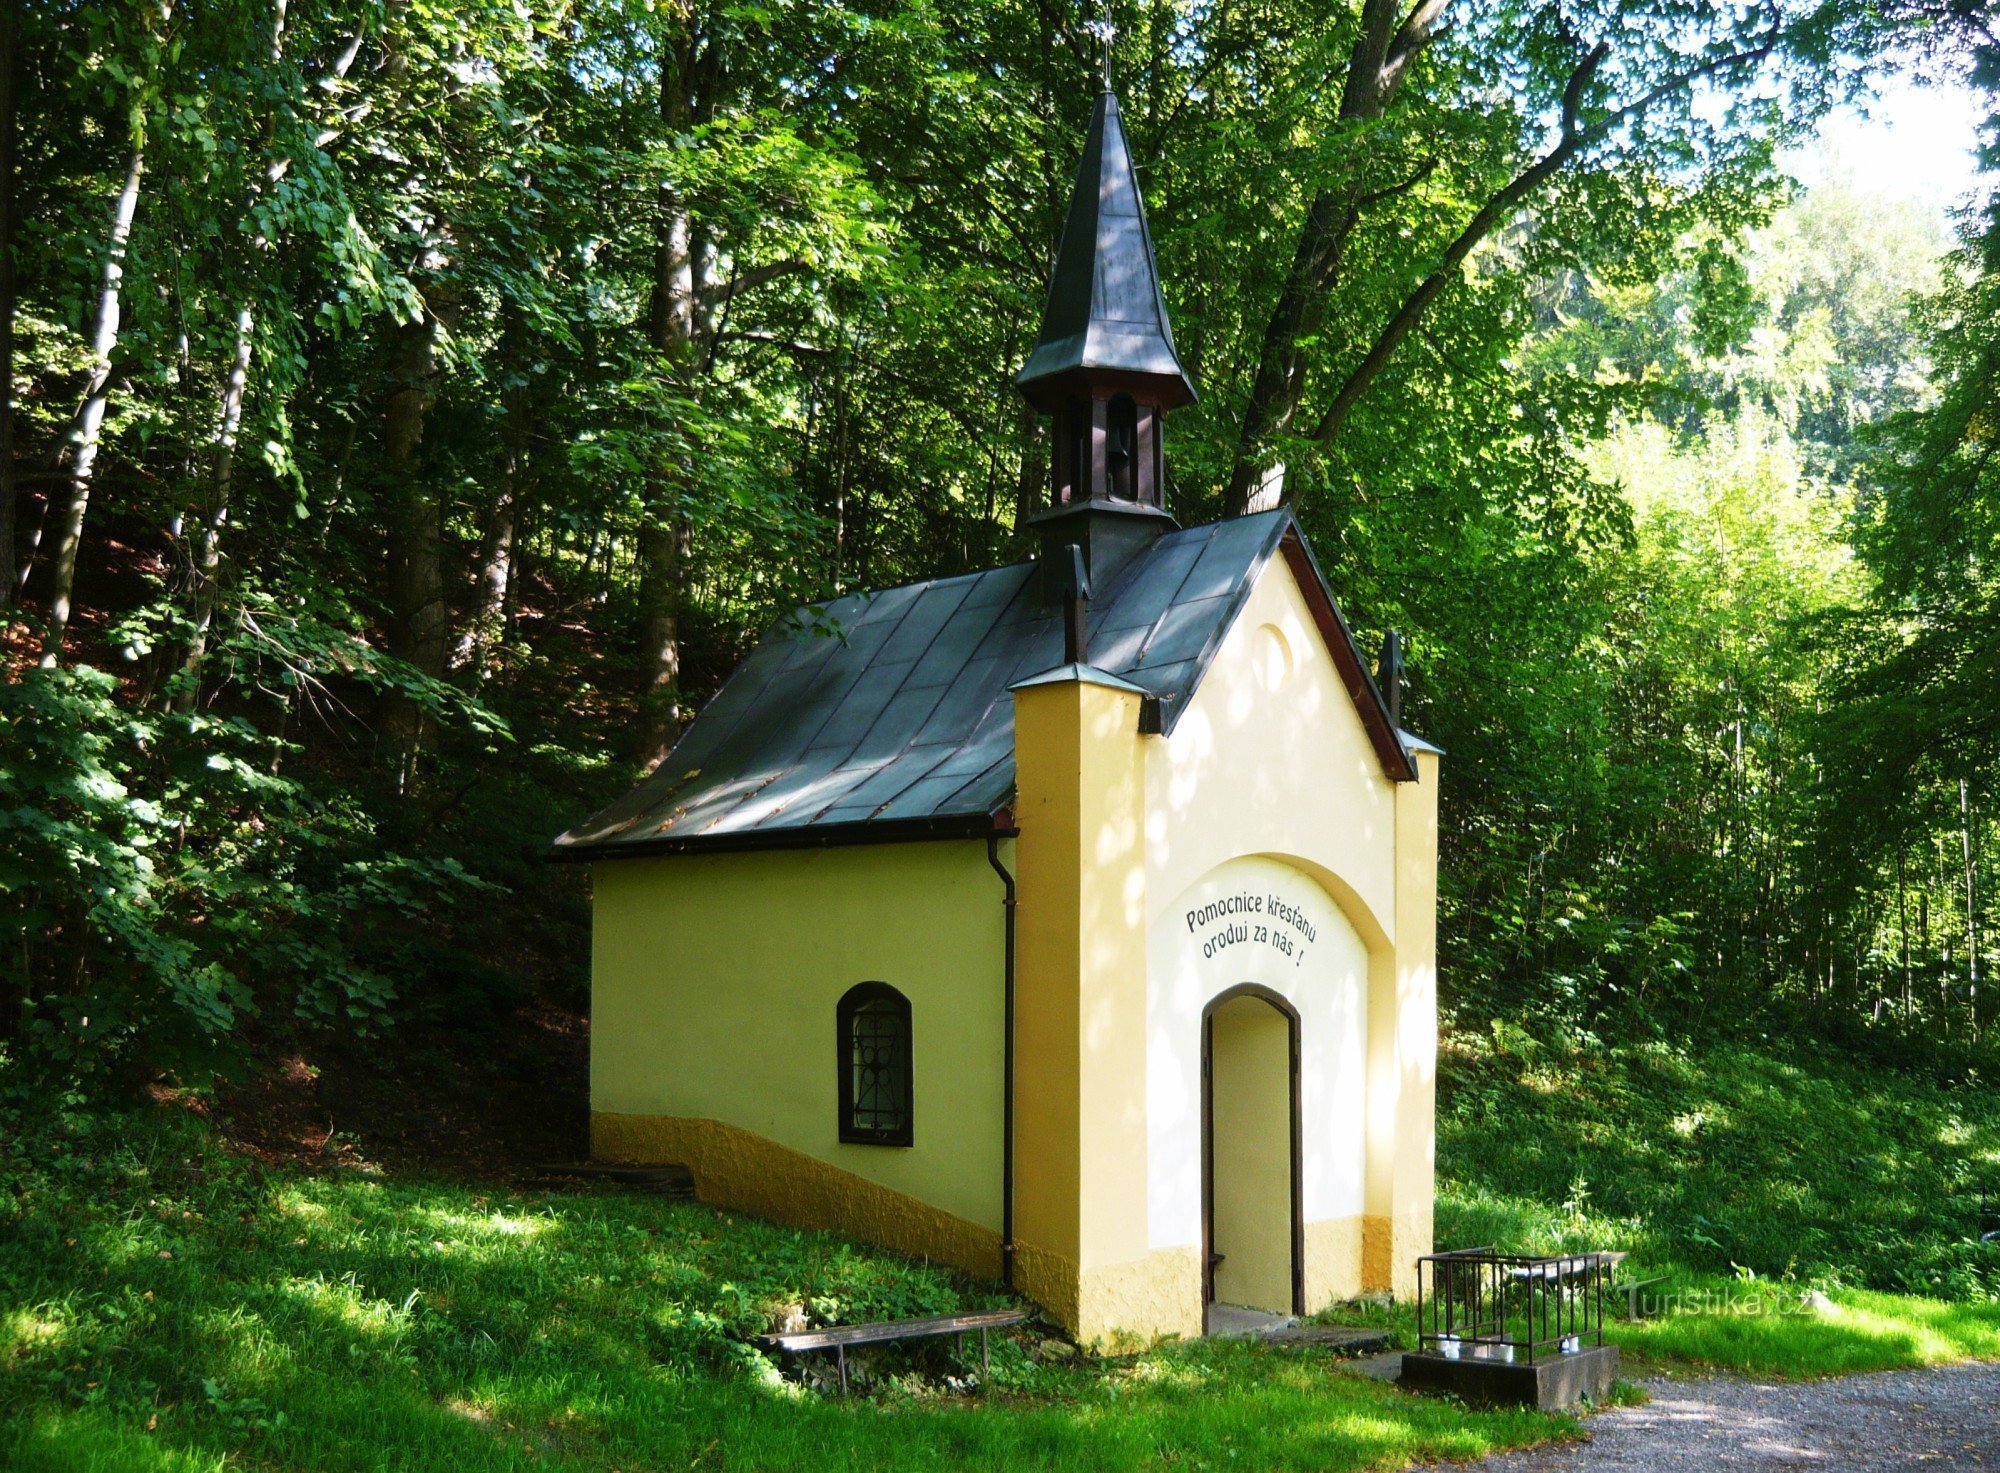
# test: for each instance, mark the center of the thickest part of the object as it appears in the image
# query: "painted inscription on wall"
(1256, 918)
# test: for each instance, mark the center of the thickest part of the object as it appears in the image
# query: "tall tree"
(10, 30)
(1596, 98)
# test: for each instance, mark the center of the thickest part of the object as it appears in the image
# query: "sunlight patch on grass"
(517, 1226)
(23, 1331)
(1157, 1370)
(297, 1204)
(344, 1303)
(1859, 1331)
(1689, 1123)
(339, 1322)
(87, 1441)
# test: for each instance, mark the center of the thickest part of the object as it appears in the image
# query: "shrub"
(160, 880)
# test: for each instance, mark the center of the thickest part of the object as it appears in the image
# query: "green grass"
(1809, 1216)
(1710, 1322)
(1856, 1330)
(166, 1307)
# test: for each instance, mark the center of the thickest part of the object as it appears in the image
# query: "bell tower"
(1104, 367)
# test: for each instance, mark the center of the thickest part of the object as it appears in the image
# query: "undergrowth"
(1800, 1166)
(169, 1304)
(1788, 1212)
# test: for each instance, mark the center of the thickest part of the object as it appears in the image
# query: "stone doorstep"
(1236, 1321)
(1548, 1382)
(1341, 1340)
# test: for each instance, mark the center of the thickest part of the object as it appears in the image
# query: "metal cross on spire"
(1106, 33)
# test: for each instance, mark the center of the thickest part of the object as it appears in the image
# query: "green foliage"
(161, 879)
(571, 344)
(167, 1303)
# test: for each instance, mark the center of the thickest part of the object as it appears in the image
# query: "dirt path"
(1948, 1418)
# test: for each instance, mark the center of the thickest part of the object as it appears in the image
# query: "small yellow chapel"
(1071, 922)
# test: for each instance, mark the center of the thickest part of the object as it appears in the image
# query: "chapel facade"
(1071, 922)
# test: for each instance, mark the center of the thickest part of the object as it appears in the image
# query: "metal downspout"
(1007, 1073)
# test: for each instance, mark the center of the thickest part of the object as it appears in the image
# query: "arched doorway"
(1253, 1222)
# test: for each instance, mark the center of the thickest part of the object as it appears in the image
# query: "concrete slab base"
(1549, 1382)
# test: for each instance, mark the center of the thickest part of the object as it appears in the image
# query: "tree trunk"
(9, 31)
(1971, 908)
(664, 544)
(1280, 379)
(1383, 50)
(666, 535)
(1031, 481)
(689, 86)
(229, 420)
(496, 567)
(88, 424)
(416, 531)
(208, 550)
(1381, 56)
(487, 619)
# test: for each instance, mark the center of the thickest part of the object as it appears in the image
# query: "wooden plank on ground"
(884, 1331)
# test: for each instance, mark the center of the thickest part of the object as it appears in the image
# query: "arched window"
(875, 1065)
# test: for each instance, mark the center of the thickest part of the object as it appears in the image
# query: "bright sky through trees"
(1915, 141)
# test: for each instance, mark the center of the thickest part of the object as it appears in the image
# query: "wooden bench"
(837, 1338)
(1561, 1268)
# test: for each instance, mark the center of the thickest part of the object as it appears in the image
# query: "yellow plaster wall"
(1327, 978)
(1119, 1305)
(1271, 758)
(714, 980)
(1333, 1261)
(1080, 1062)
(1402, 1055)
(735, 1168)
(1414, 1173)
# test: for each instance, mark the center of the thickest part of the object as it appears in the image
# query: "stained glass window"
(875, 1066)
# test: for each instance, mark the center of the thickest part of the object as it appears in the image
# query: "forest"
(413, 409)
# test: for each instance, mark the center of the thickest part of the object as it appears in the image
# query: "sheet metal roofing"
(888, 715)
(1104, 308)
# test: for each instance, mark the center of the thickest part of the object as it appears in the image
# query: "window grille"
(876, 1063)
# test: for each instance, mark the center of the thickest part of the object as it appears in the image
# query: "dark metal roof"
(887, 716)
(1104, 308)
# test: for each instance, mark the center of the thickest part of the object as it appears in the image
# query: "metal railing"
(1479, 1303)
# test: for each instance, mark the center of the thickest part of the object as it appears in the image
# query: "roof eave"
(1058, 369)
(1397, 763)
(998, 824)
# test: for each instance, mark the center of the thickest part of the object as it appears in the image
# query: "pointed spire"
(1104, 309)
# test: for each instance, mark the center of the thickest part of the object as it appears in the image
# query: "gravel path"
(1936, 1419)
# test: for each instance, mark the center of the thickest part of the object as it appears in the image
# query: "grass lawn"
(1807, 1215)
(164, 1306)
(168, 1305)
